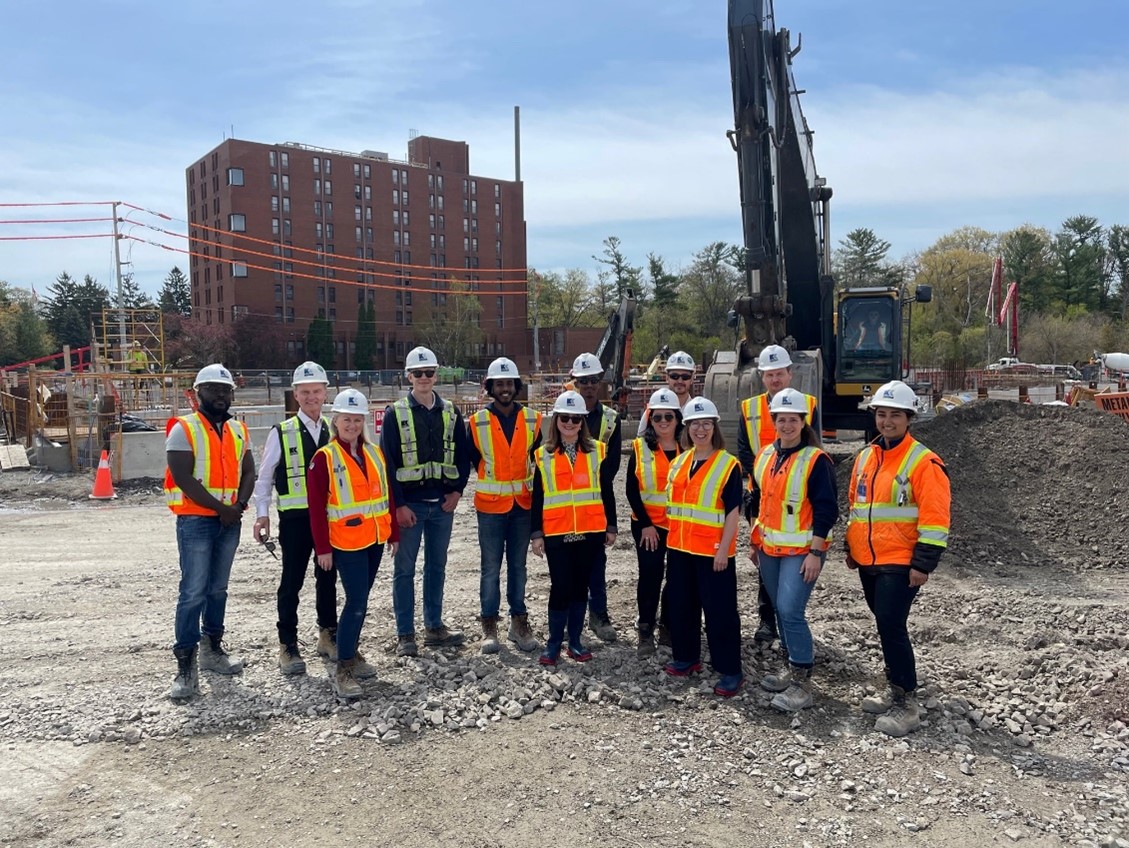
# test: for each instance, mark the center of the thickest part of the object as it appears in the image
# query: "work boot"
(521, 634)
(406, 645)
(361, 668)
(646, 641)
(904, 715)
(576, 648)
(214, 658)
(777, 681)
(879, 703)
(344, 682)
(442, 637)
(557, 621)
(600, 624)
(327, 643)
(290, 659)
(187, 680)
(798, 694)
(490, 644)
(765, 633)
(662, 635)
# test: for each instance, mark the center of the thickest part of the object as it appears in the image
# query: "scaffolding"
(121, 336)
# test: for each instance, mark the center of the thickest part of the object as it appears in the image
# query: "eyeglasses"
(428, 373)
(662, 416)
(570, 419)
(671, 375)
(701, 423)
(588, 381)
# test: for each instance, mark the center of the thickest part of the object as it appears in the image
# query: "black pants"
(570, 567)
(764, 605)
(695, 588)
(650, 593)
(889, 596)
(297, 543)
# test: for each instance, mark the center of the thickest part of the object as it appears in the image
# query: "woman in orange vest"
(896, 532)
(573, 519)
(351, 512)
(703, 507)
(647, 469)
(796, 503)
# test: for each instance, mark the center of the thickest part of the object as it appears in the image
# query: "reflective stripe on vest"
(357, 506)
(218, 474)
(784, 523)
(485, 429)
(294, 455)
(573, 503)
(652, 470)
(411, 470)
(696, 526)
(901, 507)
(607, 425)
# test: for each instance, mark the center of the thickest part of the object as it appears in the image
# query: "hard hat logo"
(421, 356)
(504, 367)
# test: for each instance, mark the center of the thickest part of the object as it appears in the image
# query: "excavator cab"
(870, 325)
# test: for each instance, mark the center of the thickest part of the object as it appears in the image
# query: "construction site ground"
(1022, 639)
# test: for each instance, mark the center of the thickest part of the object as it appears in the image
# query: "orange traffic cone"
(103, 485)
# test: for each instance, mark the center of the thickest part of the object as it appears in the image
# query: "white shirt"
(272, 454)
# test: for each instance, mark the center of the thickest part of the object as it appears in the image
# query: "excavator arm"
(614, 350)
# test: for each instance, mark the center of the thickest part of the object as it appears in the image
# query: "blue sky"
(927, 117)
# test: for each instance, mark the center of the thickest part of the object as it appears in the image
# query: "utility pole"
(536, 280)
(121, 291)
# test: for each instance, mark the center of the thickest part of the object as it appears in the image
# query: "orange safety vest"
(694, 507)
(573, 503)
(652, 470)
(784, 522)
(357, 507)
(217, 463)
(898, 497)
(505, 474)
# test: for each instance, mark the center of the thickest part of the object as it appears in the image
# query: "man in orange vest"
(209, 481)
(755, 432)
(502, 435)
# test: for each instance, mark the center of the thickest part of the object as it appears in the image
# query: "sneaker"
(521, 634)
(646, 646)
(601, 625)
(187, 680)
(879, 703)
(729, 685)
(406, 645)
(549, 659)
(765, 634)
(327, 643)
(362, 670)
(579, 653)
(904, 716)
(490, 644)
(442, 637)
(677, 668)
(214, 658)
(344, 683)
(290, 659)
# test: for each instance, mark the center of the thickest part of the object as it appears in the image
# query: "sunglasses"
(428, 373)
(570, 419)
(588, 381)
(673, 376)
(662, 416)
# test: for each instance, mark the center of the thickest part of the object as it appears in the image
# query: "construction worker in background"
(679, 371)
(795, 495)
(285, 462)
(604, 425)
(897, 529)
(502, 436)
(703, 510)
(350, 516)
(210, 477)
(573, 519)
(427, 450)
(873, 334)
(138, 359)
(756, 432)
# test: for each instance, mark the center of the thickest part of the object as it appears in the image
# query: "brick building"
(290, 232)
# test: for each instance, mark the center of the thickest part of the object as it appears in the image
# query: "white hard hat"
(420, 357)
(789, 400)
(350, 401)
(894, 395)
(570, 403)
(699, 407)
(213, 374)
(773, 357)
(587, 365)
(680, 360)
(309, 372)
(502, 369)
(664, 399)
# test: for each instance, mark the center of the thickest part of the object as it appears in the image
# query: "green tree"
(1118, 243)
(175, 295)
(1029, 261)
(623, 275)
(70, 307)
(709, 287)
(366, 336)
(1080, 250)
(23, 333)
(861, 259)
(319, 342)
(132, 294)
(565, 300)
(453, 331)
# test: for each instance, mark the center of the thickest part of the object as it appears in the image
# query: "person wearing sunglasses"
(703, 510)
(647, 469)
(679, 379)
(573, 520)
(756, 432)
(427, 449)
(605, 426)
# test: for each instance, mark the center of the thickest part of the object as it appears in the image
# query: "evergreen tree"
(366, 336)
(623, 276)
(1028, 261)
(131, 293)
(664, 285)
(175, 294)
(319, 343)
(861, 259)
(70, 307)
(1080, 249)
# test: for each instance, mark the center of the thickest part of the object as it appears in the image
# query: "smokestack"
(517, 143)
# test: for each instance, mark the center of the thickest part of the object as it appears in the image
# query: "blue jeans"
(506, 532)
(789, 593)
(207, 550)
(433, 528)
(357, 570)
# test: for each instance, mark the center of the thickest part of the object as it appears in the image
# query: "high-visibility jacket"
(898, 497)
(290, 476)
(217, 463)
(694, 506)
(607, 425)
(357, 506)
(573, 503)
(505, 472)
(785, 519)
(411, 470)
(652, 469)
(758, 422)
(138, 362)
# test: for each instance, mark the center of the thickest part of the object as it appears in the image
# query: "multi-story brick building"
(292, 232)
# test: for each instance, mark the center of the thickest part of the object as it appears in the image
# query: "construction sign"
(1115, 402)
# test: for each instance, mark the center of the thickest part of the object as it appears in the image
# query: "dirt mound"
(1032, 485)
